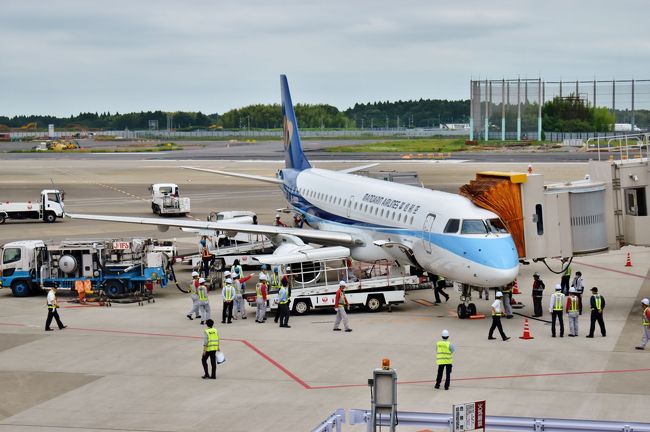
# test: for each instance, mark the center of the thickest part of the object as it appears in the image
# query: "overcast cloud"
(63, 57)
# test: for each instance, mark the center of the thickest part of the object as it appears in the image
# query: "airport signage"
(469, 417)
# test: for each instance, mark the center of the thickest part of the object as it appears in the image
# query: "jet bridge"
(606, 210)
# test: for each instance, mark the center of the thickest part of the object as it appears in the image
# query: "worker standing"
(276, 284)
(206, 259)
(52, 306)
(597, 303)
(228, 295)
(274, 280)
(645, 322)
(440, 290)
(234, 267)
(579, 285)
(566, 276)
(444, 359)
(260, 300)
(340, 305)
(573, 311)
(556, 307)
(210, 348)
(497, 313)
(283, 307)
(278, 222)
(194, 295)
(507, 299)
(204, 303)
(538, 291)
(239, 281)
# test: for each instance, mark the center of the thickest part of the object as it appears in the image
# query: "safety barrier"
(334, 422)
(437, 420)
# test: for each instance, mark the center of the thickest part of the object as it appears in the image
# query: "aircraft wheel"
(462, 311)
(471, 309)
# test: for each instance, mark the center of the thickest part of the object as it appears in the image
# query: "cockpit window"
(496, 226)
(452, 226)
(473, 226)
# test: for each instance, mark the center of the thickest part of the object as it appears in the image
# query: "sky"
(62, 57)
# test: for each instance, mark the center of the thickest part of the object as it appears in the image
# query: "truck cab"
(166, 200)
(52, 205)
(47, 209)
(19, 261)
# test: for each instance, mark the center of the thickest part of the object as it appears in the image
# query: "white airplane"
(369, 220)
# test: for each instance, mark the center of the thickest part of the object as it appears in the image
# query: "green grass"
(406, 145)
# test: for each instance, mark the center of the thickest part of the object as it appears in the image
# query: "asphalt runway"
(132, 368)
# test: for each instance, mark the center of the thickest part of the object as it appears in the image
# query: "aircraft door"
(426, 232)
(350, 205)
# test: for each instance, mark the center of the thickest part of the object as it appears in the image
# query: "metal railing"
(334, 422)
(444, 421)
(621, 144)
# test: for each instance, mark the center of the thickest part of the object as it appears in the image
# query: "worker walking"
(210, 348)
(194, 295)
(538, 291)
(340, 305)
(444, 359)
(52, 306)
(566, 276)
(228, 295)
(497, 313)
(507, 299)
(283, 307)
(573, 311)
(597, 303)
(441, 284)
(204, 303)
(645, 322)
(555, 308)
(579, 285)
(260, 300)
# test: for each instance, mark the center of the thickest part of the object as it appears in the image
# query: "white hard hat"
(195, 274)
(572, 290)
(499, 294)
(262, 277)
(277, 215)
(558, 287)
(227, 273)
(201, 280)
(229, 280)
(646, 302)
(343, 283)
(445, 333)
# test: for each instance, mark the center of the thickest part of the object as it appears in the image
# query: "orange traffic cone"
(628, 263)
(526, 334)
(515, 289)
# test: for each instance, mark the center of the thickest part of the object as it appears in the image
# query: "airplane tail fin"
(293, 154)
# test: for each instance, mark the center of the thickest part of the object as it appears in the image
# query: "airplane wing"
(358, 168)
(163, 225)
(234, 174)
(305, 254)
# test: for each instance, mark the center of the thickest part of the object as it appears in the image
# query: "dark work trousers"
(284, 314)
(52, 313)
(579, 295)
(213, 361)
(227, 311)
(597, 316)
(440, 290)
(206, 266)
(557, 315)
(496, 324)
(447, 378)
(537, 305)
(564, 283)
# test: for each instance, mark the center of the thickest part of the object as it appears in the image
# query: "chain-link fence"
(511, 109)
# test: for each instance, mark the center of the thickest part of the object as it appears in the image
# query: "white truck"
(166, 201)
(315, 285)
(48, 208)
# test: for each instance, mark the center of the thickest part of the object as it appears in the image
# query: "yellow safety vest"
(228, 293)
(573, 306)
(258, 290)
(598, 302)
(494, 313)
(557, 306)
(213, 339)
(53, 305)
(203, 295)
(568, 271)
(444, 355)
(275, 281)
(645, 321)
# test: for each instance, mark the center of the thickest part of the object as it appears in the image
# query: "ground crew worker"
(507, 299)
(284, 282)
(497, 313)
(81, 292)
(578, 284)
(278, 222)
(573, 311)
(240, 304)
(260, 300)
(645, 322)
(233, 269)
(228, 295)
(274, 280)
(538, 290)
(210, 348)
(555, 308)
(444, 359)
(204, 303)
(263, 271)
(206, 258)
(439, 289)
(597, 303)
(566, 277)
(194, 295)
(340, 305)
(283, 307)
(52, 306)
(297, 221)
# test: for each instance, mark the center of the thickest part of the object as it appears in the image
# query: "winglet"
(293, 154)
